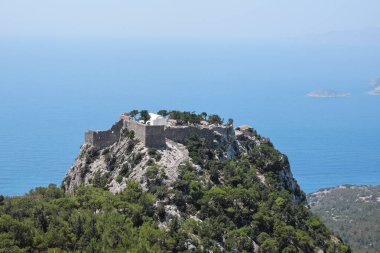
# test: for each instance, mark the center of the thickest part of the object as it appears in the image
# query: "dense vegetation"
(353, 212)
(233, 209)
(248, 204)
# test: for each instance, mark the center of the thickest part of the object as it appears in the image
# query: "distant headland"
(327, 94)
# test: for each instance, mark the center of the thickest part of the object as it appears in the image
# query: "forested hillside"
(353, 212)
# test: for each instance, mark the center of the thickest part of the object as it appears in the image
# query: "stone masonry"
(104, 139)
(150, 136)
(155, 136)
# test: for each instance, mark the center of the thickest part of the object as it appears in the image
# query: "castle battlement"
(106, 138)
(154, 136)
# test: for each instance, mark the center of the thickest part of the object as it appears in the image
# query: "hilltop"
(353, 212)
(170, 182)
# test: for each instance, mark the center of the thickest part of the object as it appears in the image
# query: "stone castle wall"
(136, 127)
(180, 134)
(150, 136)
(155, 136)
(104, 139)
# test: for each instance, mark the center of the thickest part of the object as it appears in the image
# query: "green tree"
(215, 119)
(269, 246)
(163, 113)
(133, 113)
(144, 115)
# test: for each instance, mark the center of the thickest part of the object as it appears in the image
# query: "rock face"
(109, 166)
(128, 157)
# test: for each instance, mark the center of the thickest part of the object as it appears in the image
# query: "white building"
(157, 120)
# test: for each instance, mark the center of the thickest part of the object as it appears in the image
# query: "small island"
(327, 94)
(375, 91)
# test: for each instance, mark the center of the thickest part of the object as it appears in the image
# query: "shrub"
(136, 158)
(144, 115)
(133, 113)
(149, 162)
(215, 119)
(131, 134)
(163, 113)
(152, 172)
(152, 152)
(100, 180)
(119, 179)
(125, 170)
(84, 170)
(161, 212)
(130, 146)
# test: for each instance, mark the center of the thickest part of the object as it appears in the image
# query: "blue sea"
(51, 92)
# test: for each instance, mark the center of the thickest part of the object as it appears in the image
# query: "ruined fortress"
(154, 136)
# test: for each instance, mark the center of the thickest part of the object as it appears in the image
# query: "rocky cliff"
(110, 167)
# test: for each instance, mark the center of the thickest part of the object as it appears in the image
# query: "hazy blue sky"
(175, 19)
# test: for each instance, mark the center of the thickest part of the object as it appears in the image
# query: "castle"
(155, 131)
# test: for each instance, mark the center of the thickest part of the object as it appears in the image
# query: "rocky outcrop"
(128, 158)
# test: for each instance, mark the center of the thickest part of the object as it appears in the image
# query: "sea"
(52, 91)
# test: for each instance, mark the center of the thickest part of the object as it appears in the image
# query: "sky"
(184, 20)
